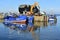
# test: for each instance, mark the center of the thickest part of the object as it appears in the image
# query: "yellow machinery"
(29, 8)
(33, 6)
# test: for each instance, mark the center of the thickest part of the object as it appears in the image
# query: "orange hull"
(20, 22)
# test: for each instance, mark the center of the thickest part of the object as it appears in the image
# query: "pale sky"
(12, 5)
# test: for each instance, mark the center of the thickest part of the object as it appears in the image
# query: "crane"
(29, 8)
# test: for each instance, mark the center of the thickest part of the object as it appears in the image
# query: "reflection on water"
(52, 23)
(30, 25)
(30, 31)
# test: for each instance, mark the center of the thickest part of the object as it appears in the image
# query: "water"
(36, 31)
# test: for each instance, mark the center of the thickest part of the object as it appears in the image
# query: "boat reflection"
(15, 25)
(23, 28)
(40, 24)
(29, 27)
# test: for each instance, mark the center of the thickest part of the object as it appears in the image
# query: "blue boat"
(19, 19)
(30, 18)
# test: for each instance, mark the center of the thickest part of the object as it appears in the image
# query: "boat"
(19, 19)
(51, 18)
(30, 18)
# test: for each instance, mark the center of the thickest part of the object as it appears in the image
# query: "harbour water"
(32, 31)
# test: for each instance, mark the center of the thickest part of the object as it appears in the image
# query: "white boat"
(51, 19)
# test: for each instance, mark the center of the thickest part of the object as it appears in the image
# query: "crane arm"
(35, 4)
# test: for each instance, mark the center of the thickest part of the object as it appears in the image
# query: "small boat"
(19, 19)
(51, 18)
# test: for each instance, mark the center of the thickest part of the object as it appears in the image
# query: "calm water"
(36, 31)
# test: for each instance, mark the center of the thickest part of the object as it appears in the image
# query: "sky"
(12, 5)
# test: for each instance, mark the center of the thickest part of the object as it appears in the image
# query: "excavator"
(29, 8)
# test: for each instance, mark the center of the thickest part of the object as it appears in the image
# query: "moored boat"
(19, 19)
(52, 18)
